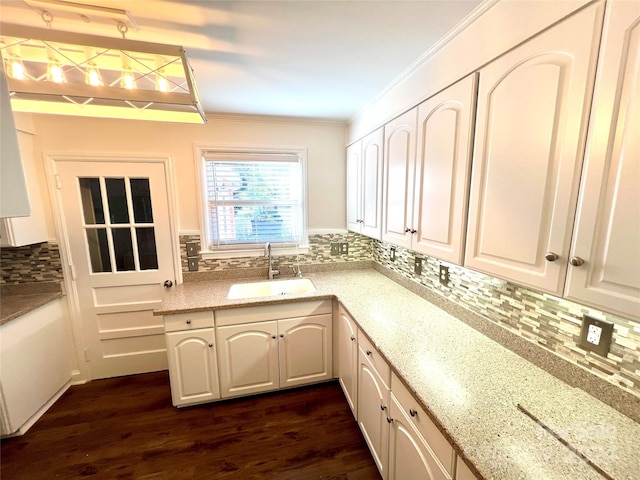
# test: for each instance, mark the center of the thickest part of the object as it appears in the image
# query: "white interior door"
(116, 216)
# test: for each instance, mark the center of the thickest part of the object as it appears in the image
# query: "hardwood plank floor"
(126, 428)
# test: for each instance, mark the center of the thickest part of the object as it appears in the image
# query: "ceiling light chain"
(123, 29)
(47, 18)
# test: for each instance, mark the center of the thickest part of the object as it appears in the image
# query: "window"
(253, 197)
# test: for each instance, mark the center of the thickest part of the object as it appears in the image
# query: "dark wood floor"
(126, 428)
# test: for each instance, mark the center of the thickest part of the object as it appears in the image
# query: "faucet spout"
(271, 271)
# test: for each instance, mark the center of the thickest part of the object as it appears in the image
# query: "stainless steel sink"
(271, 288)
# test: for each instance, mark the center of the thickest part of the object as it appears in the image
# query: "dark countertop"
(20, 299)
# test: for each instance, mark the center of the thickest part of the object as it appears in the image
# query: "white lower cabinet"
(409, 454)
(274, 352)
(347, 368)
(193, 370)
(373, 403)
(404, 442)
(192, 366)
(248, 357)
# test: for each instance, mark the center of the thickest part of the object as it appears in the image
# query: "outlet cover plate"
(392, 254)
(335, 249)
(417, 266)
(193, 264)
(444, 275)
(596, 335)
(192, 249)
(344, 248)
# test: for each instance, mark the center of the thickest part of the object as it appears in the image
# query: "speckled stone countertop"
(18, 300)
(469, 384)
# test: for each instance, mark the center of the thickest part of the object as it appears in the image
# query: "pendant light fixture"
(63, 73)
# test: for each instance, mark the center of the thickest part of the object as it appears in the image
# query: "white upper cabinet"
(427, 167)
(14, 198)
(443, 167)
(399, 166)
(354, 186)
(533, 109)
(364, 185)
(19, 231)
(607, 229)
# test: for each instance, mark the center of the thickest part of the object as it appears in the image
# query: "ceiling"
(318, 59)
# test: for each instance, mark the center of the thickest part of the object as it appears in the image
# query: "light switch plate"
(335, 249)
(193, 264)
(417, 266)
(596, 335)
(192, 249)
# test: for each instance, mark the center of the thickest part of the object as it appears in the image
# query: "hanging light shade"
(120, 79)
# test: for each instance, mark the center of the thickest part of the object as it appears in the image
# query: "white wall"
(324, 140)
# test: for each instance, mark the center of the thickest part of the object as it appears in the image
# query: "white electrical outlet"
(596, 335)
(593, 335)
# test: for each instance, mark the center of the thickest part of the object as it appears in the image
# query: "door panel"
(608, 221)
(305, 346)
(248, 358)
(372, 171)
(116, 216)
(443, 166)
(533, 106)
(399, 163)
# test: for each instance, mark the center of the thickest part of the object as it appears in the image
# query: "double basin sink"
(271, 288)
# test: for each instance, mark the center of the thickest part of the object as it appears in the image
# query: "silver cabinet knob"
(369, 352)
(413, 412)
(188, 322)
(576, 261)
(551, 257)
(274, 337)
(211, 345)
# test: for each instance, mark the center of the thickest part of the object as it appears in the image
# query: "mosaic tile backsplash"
(31, 263)
(548, 321)
(319, 253)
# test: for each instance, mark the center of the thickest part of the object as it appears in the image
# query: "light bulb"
(162, 84)
(55, 73)
(16, 69)
(93, 77)
(127, 80)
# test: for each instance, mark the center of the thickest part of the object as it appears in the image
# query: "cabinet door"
(372, 171)
(533, 106)
(607, 230)
(248, 358)
(305, 351)
(354, 187)
(192, 367)
(348, 359)
(409, 455)
(373, 401)
(443, 167)
(20, 231)
(399, 164)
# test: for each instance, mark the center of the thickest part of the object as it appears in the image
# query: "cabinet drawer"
(379, 363)
(188, 321)
(263, 313)
(436, 441)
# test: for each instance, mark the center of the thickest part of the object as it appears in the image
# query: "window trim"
(235, 251)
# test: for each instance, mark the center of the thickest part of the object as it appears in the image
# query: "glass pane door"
(118, 224)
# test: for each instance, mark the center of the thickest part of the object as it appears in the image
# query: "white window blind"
(253, 198)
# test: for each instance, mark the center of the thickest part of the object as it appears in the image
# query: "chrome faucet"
(271, 272)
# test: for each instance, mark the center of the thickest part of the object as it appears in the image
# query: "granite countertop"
(20, 299)
(474, 388)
